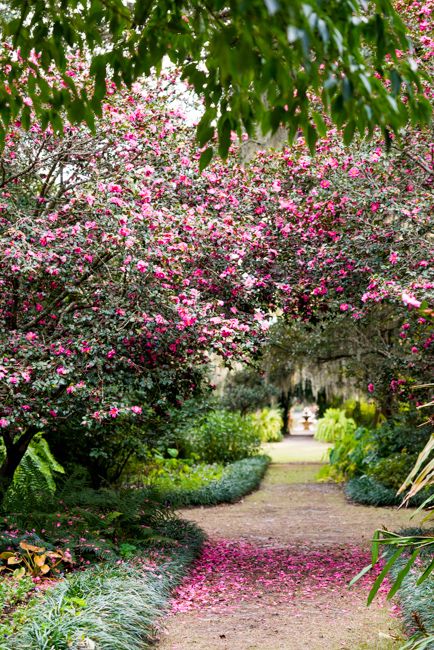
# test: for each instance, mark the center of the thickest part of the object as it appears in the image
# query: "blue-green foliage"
(367, 491)
(417, 600)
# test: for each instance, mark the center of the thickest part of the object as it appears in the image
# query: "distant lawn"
(297, 450)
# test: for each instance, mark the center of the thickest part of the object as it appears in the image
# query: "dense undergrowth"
(367, 491)
(416, 600)
(112, 606)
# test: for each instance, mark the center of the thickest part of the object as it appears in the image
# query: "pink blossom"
(371, 388)
(136, 409)
(3, 423)
(344, 306)
(410, 300)
(114, 412)
(141, 266)
(354, 172)
(393, 258)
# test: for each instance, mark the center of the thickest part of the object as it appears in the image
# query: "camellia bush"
(123, 267)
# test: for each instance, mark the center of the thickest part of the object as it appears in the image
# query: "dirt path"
(273, 575)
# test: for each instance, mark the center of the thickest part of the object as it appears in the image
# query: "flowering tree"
(117, 278)
(122, 266)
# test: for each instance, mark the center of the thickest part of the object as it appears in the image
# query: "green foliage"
(15, 598)
(238, 479)
(180, 474)
(269, 423)
(91, 524)
(393, 470)
(114, 606)
(363, 413)
(223, 437)
(334, 425)
(246, 391)
(367, 491)
(34, 480)
(348, 457)
(256, 64)
(403, 433)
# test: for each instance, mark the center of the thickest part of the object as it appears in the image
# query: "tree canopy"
(255, 64)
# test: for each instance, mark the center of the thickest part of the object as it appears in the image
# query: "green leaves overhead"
(261, 63)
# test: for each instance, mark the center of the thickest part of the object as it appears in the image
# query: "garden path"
(273, 575)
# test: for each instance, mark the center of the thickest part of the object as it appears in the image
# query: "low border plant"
(113, 606)
(238, 479)
(367, 491)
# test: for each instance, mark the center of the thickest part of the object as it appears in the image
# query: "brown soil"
(290, 509)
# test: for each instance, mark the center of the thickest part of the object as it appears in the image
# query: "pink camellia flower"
(344, 306)
(354, 172)
(325, 183)
(371, 388)
(111, 354)
(414, 349)
(3, 423)
(114, 412)
(375, 206)
(393, 258)
(113, 187)
(31, 336)
(410, 300)
(136, 409)
(61, 370)
(141, 266)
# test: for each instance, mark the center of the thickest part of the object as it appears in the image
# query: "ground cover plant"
(111, 605)
(236, 481)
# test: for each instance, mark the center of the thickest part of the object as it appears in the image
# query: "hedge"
(367, 491)
(238, 479)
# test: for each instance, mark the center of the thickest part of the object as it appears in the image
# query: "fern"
(34, 478)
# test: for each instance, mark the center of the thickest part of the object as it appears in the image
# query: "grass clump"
(113, 606)
(367, 491)
(237, 480)
(416, 600)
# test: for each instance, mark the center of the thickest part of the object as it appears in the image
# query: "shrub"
(349, 455)
(238, 479)
(334, 425)
(269, 423)
(363, 413)
(393, 470)
(180, 474)
(223, 437)
(399, 434)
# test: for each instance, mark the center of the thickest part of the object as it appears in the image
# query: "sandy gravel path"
(257, 604)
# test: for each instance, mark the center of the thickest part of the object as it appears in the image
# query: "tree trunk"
(285, 403)
(14, 455)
